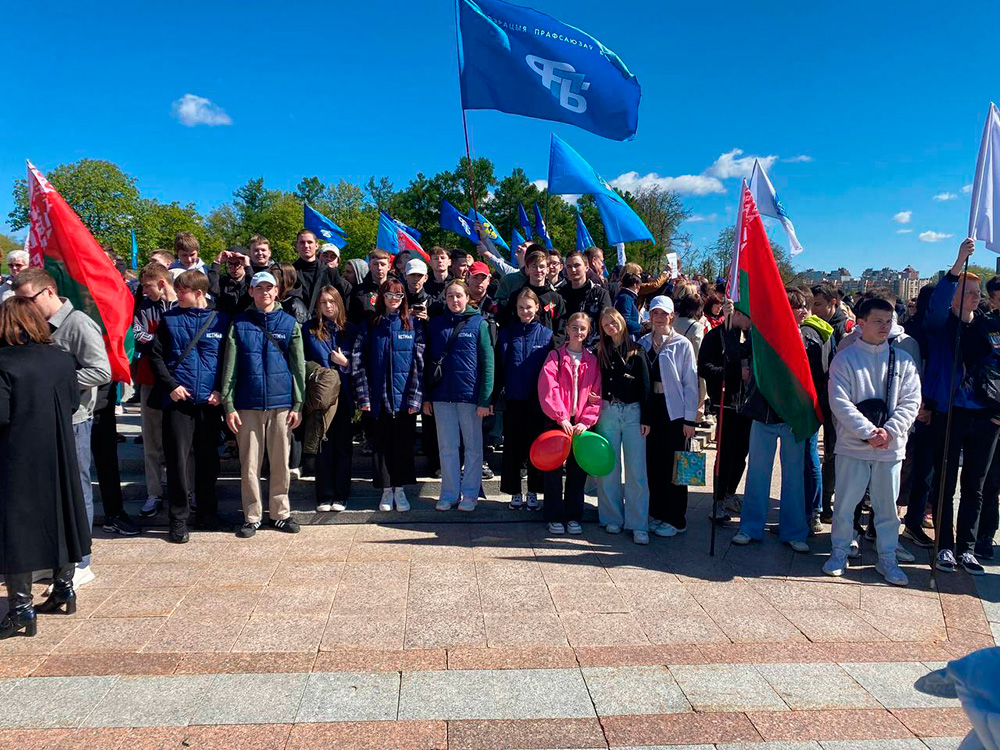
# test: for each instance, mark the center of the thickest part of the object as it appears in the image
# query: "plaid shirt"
(412, 393)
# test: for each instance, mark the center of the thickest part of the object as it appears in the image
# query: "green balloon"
(593, 453)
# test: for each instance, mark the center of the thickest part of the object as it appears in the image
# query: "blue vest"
(523, 349)
(390, 350)
(263, 377)
(461, 367)
(198, 370)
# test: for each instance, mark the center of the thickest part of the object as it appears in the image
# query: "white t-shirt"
(576, 358)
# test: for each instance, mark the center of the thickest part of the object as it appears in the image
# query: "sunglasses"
(394, 295)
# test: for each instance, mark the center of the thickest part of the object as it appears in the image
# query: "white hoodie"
(679, 376)
(857, 374)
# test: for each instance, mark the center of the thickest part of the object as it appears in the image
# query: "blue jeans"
(619, 424)
(81, 433)
(813, 477)
(854, 476)
(757, 498)
(458, 423)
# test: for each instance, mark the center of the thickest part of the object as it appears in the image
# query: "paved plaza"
(482, 632)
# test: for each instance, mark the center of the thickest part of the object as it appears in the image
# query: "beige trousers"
(260, 431)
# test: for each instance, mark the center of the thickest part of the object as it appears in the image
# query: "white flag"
(768, 204)
(620, 247)
(985, 207)
(734, 260)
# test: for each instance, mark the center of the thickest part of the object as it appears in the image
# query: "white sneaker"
(556, 528)
(516, 502)
(653, 523)
(443, 504)
(854, 551)
(338, 507)
(573, 527)
(531, 499)
(324, 508)
(836, 564)
(295, 473)
(640, 537)
(904, 555)
(890, 570)
(399, 497)
(800, 547)
(385, 504)
(665, 529)
(467, 504)
(742, 538)
(613, 529)
(151, 507)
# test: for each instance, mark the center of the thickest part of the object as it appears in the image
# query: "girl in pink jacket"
(569, 390)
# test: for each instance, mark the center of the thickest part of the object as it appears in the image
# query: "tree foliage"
(109, 203)
(713, 261)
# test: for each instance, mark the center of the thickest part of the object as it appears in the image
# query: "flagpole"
(947, 431)
(465, 124)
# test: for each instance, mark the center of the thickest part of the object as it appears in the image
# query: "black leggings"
(333, 464)
(523, 422)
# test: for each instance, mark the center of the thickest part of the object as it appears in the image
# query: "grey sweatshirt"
(73, 331)
(857, 374)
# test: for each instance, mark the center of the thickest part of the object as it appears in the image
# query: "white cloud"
(930, 236)
(731, 164)
(686, 184)
(903, 217)
(801, 158)
(540, 184)
(966, 189)
(904, 231)
(699, 218)
(945, 197)
(194, 110)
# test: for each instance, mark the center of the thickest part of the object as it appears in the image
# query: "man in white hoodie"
(869, 454)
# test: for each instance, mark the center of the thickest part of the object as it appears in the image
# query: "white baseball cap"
(662, 302)
(416, 266)
(262, 277)
(329, 247)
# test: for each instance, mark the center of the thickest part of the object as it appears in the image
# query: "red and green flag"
(780, 366)
(60, 243)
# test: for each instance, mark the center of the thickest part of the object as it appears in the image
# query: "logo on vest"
(562, 81)
(466, 335)
(213, 335)
(404, 336)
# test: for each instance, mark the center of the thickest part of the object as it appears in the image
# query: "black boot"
(20, 620)
(62, 600)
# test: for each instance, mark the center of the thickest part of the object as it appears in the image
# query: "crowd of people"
(293, 360)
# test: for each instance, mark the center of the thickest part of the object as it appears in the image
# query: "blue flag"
(135, 250)
(583, 238)
(453, 220)
(516, 240)
(570, 173)
(541, 230)
(394, 239)
(491, 231)
(324, 229)
(523, 62)
(524, 221)
(409, 230)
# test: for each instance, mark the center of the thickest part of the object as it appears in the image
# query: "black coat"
(43, 521)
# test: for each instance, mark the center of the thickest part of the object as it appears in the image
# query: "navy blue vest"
(390, 354)
(523, 349)
(461, 367)
(263, 377)
(198, 370)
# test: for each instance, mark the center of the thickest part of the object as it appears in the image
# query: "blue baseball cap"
(262, 277)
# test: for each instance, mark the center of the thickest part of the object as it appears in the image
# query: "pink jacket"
(555, 388)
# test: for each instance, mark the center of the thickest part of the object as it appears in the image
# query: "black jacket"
(589, 298)
(316, 275)
(234, 295)
(721, 356)
(839, 323)
(627, 380)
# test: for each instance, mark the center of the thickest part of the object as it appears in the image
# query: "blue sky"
(886, 99)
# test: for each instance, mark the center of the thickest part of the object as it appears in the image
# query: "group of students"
(455, 344)
(285, 356)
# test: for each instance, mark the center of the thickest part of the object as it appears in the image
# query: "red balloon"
(550, 450)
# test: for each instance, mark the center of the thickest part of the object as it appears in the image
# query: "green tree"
(104, 197)
(310, 190)
(379, 190)
(713, 261)
(160, 222)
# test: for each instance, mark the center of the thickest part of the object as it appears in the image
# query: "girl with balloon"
(569, 391)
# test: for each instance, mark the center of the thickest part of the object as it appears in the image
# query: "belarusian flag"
(60, 243)
(780, 366)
